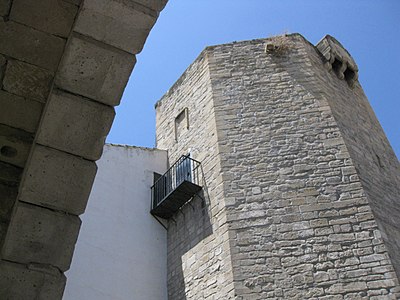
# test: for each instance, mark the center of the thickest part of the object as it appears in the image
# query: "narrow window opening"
(181, 123)
(379, 161)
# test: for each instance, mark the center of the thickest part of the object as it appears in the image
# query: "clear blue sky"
(369, 29)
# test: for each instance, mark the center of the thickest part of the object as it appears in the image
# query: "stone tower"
(301, 188)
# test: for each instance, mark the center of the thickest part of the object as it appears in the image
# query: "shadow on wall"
(189, 226)
(9, 179)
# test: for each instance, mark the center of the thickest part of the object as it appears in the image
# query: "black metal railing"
(185, 169)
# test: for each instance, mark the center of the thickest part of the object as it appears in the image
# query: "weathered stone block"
(157, 5)
(4, 7)
(40, 235)
(10, 175)
(95, 71)
(27, 80)
(58, 180)
(8, 196)
(338, 59)
(19, 112)
(75, 125)
(55, 17)
(331, 49)
(75, 2)
(339, 288)
(115, 22)
(30, 45)
(19, 282)
(2, 63)
(14, 145)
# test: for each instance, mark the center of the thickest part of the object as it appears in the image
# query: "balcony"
(176, 187)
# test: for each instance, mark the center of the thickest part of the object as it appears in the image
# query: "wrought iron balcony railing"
(173, 189)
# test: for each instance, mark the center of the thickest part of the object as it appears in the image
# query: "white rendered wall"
(121, 250)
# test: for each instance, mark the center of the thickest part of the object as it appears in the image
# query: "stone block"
(9, 175)
(27, 80)
(2, 63)
(93, 70)
(19, 282)
(15, 145)
(40, 235)
(332, 49)
(55, 17)
(115, 22)
(57, 180)
(156, 5)
(75, 125)
(19, 112)
(75, 2)
(9, 178)
(338, 59)
(4, 7)
(8, 196)
(30, 45)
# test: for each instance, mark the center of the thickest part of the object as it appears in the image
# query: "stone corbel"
(338, 60)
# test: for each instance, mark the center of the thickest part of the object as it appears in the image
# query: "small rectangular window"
(181, 123)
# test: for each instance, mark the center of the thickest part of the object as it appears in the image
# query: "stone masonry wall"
(374, 159)
(284, 193)
(199, 265)
(33, 254)
(300, 224)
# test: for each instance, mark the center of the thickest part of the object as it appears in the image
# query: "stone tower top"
(334, 56)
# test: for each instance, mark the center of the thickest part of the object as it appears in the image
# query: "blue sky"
(369, 29)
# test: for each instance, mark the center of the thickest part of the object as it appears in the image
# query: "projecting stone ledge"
(338, 59)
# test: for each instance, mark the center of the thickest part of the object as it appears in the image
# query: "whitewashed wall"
(121, 250)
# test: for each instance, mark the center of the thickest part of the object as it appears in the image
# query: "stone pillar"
(298, 175)
(63, 67)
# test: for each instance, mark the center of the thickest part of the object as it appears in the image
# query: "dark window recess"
(349, 75)
(336, 65)
(176, 187)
